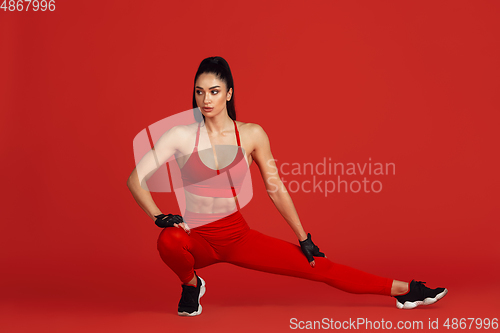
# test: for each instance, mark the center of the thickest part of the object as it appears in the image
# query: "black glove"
(165, 221)
(309, 249)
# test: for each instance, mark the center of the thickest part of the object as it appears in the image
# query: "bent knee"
(172, 237)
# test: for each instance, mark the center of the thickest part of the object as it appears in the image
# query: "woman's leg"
(268, 254)
(183, 253)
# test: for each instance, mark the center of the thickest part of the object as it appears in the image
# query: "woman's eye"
(199, 92)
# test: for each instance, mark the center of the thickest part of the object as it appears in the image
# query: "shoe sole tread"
(427, 301)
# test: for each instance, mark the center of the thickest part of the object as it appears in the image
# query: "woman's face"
(211, 94)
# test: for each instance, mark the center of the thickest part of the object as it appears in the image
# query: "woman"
(213, 181)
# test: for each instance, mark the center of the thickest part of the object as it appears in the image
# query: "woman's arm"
(276, 190)
(142, 196)
(164, 148)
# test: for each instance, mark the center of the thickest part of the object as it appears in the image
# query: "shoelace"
(188, 295)
(421, 288)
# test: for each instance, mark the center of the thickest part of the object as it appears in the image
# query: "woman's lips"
(207, 109)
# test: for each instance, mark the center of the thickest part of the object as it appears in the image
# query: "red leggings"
(230, 239)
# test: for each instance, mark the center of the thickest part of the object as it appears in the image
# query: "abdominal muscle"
(209, 205)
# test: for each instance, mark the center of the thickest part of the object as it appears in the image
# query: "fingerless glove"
(165, 221)
(309, 249)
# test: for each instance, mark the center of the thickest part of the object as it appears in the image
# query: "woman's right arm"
(164, 148)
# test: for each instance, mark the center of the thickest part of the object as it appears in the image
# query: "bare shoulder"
(183, 131)
(251, 129)
(253, 134)
(178, 135)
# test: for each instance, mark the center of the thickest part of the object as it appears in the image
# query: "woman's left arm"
(276, 190)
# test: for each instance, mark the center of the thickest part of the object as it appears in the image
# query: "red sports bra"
(204, 181)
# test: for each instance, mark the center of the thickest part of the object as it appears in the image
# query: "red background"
(415, 84)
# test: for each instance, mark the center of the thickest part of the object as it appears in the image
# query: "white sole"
(427, 301)
(202, 292)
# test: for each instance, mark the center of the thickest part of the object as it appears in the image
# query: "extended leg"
(268, 254)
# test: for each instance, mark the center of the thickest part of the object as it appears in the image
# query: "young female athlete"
(212, 228)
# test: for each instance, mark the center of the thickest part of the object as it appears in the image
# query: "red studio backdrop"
(408, 85)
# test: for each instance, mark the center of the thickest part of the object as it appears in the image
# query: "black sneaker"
(189, 305)
(419, 295)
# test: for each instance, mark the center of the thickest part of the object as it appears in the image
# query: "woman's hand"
(165, 221)
(310, 250)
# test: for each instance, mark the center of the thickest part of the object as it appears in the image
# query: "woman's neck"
(217, 125)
